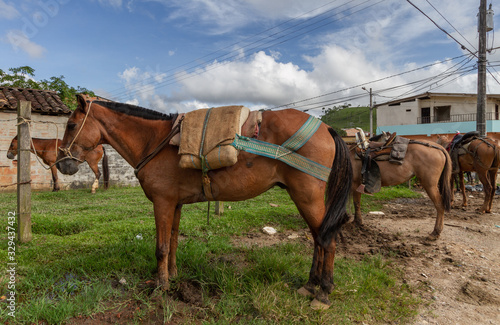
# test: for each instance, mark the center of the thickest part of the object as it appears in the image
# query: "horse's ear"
(82, 103)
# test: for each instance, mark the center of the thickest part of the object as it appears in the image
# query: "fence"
(470, 117)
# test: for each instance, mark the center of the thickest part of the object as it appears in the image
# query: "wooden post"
(219, 208)
(23, 173)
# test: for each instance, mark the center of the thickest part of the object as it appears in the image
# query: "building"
(430, 114)
(49, 116)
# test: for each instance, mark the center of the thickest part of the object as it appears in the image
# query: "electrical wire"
(270, 43)
(444, 31)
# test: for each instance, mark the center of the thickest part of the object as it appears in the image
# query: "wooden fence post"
(23, 172)
(219, 208)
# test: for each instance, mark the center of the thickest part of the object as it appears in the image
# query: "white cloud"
(260, 80)
(8, 11)
(141, 87)
(20, 41)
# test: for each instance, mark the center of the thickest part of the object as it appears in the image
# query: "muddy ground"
(457, 276)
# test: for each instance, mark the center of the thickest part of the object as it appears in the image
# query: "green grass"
(351, 117)
(84, 244)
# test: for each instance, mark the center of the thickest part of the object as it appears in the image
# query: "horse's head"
(12, 152)
(442, 140)
(81, 136)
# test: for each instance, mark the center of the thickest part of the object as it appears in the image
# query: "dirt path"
(458, 275)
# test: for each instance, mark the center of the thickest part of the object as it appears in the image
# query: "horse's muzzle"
(67, 167)
(10, 155)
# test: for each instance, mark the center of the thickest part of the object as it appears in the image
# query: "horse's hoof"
(163, 285)
(318, 305)
(432, 237)
(305, 292)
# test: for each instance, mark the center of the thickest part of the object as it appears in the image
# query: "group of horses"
(136, 133)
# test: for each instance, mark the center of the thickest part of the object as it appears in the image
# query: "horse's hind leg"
(462, 189)
(487, 189)
(312, 209)
(433, 193)
(356, 199)
(492, 175)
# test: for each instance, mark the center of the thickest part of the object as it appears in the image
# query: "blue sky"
(178, 55)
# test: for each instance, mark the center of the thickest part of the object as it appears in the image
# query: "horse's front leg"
(164, 220)
(172, 264)
(97, 173)
(56, 188)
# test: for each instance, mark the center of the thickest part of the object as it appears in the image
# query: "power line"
(451, 25)
(366, 83)
(152, 78)
(444, 31)
(347, 12)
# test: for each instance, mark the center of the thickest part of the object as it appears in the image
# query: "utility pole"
(371, 111)
(481, 72)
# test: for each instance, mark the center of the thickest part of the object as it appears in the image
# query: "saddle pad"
(207, 134)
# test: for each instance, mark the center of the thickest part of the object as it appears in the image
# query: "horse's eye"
(71, 126)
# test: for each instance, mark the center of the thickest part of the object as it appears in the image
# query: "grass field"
(351, 117)
(93, 255)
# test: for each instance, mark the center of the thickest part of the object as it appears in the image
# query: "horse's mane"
(137, 111)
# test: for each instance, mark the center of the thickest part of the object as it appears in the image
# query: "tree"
(24, 77)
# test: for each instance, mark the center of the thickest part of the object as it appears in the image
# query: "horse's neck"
(133, 137)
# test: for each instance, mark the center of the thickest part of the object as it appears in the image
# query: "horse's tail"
(337, 192)
(105, 168)
(445, 182)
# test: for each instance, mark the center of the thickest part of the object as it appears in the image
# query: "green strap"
(306, 131)
(287, 154)
(201, 155)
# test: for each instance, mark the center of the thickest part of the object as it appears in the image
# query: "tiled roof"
(42, 101)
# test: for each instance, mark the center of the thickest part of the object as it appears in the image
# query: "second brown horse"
(429, 162)
(46, 149)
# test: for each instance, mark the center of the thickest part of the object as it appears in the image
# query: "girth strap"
(286, 152)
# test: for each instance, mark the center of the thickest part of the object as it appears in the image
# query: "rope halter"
(67, 151)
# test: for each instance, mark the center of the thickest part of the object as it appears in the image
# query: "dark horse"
(135, 132)
(482, 156)
(430, 163)
(46, 149)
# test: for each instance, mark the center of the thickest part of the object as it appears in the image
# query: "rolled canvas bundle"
(207, 135)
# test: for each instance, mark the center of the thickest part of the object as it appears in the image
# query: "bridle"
(67, 150)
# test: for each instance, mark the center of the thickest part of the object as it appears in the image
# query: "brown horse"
(46, 149)
(483, 157)
(430, 163)
(135, 132)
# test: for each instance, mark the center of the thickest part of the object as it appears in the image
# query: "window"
(442, 113)
(426, 114)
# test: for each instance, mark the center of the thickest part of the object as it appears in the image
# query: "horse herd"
(136, 133)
